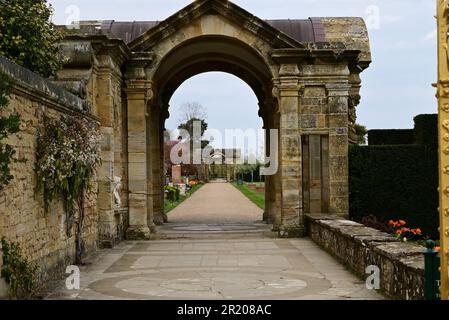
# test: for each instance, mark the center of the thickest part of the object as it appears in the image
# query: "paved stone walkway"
(225, 259)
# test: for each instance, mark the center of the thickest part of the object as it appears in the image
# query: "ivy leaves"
(8, 125)
(18, 272)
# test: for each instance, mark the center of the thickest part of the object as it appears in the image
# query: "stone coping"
(357, 247)
(35, 86)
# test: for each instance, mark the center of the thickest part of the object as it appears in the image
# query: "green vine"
(8, 125)
(67, 156)
(18, 272)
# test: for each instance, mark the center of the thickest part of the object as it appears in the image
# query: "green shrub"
(173, 193)
(426, 129)
(390, 137)
(395, 182)
(18, 272)
(28, 37)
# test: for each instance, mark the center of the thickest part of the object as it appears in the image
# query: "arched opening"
(202, 56)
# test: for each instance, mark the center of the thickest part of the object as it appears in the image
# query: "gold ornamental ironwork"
(443, 131)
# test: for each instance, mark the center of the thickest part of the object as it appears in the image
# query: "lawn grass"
(170, 205)
(256, 197)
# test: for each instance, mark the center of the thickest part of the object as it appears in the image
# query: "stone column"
(105, 109)
(288, 92)
(267, 212)
(138, 92)
(266, 126)
(163, 139)
(154, 180)
(338, 148)
(107, 98)
(275, 182)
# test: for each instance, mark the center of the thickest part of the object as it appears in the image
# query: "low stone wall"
(357, 247)
(41, 235)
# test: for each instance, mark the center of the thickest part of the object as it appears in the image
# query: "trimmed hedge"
(426, 130)
(397, 181)
(424, 133)
(391, 137)
(394, 182)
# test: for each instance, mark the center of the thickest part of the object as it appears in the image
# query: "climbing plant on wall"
(67, 156)
(8, 125)
(28, 37)
(18, 271)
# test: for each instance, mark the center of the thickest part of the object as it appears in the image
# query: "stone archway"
(305, 73)
(195, 54)
(206, 53)
(219, 36)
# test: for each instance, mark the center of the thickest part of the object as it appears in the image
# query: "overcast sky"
(396, 87)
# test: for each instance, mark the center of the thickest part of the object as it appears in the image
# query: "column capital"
(135, 67)
(289, 69)
(287, 86)
(139, 90)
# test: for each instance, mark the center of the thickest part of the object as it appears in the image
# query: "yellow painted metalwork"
(443, 123)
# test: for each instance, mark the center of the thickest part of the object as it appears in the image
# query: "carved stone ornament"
(117, 185)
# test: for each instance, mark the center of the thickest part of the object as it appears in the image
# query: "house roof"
(303, 30)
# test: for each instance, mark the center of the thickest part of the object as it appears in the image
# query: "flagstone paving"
(218, 260)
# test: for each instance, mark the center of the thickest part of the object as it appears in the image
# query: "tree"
(191, 110)
(28, 37)
(189, 126)
(361, 132)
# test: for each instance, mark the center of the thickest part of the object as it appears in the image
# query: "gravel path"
(216, 203)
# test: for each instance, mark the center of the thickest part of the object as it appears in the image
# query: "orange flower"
(418, 231)
(398, 232)
(392, 223)
(437, 248)
(402, 222)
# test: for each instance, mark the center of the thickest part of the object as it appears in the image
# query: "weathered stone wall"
(96, 61)
(41, 235)
(357, 247)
